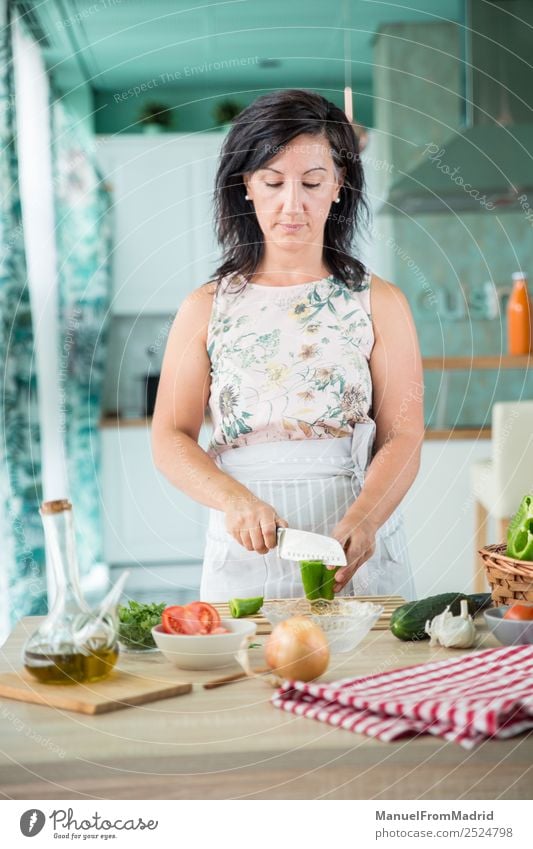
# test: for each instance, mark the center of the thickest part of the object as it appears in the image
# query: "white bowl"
(345, 623)
(205, 651)
(510, 632)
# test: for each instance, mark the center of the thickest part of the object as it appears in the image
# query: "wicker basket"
(510, 579)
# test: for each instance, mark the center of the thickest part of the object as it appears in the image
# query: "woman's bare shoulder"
(208, 289)
(203, 293)
(198, 303)
(390, 310)
(382, 288)
(386, 299)
(194, 313)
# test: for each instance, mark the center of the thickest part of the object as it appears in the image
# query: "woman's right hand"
(253, 523)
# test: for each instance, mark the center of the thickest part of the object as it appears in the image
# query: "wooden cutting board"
(120, 690)
(389, 602)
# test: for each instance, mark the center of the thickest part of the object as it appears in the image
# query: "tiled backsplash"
(449, 271)
(443, 261)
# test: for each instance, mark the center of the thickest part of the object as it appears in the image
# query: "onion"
(297, 649)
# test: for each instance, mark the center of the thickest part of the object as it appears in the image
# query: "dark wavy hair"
(256, 135)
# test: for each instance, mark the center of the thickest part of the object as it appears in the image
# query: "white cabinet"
(439, 516)
(164, 243)
(146, 519)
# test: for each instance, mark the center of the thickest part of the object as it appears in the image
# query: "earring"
(246, 197)
(337, 200)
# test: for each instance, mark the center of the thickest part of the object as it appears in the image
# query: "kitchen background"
(113, 114)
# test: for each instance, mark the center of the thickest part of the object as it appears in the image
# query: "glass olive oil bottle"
(74, 645)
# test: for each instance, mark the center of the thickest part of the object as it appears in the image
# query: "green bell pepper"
(240, 607)
(318, 581)
(520, 531)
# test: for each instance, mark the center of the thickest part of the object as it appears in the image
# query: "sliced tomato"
(220, 630)
(172, 619)
(522, 612)
(199, 618)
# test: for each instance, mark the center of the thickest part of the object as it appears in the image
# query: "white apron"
(310, 483)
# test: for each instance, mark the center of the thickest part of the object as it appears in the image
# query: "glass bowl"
(345, 623)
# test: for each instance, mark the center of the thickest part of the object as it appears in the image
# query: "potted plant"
(155, 117)
(225, 111)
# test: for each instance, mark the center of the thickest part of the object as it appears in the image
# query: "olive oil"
(74, 644)
(71, 667)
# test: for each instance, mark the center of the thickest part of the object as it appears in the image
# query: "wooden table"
(230, 743)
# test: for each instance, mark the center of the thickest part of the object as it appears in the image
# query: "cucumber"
(408, 621)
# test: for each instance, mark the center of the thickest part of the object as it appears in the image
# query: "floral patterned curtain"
(83, 244)
(22, 556)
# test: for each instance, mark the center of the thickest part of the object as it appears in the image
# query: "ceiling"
(114, 44)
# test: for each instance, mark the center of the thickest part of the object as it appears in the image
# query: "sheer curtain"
(82, 208)
(37, 196)
(65, 214)
(67, 219)
(22, 572)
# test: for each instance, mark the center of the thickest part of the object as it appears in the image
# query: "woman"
(309, 364)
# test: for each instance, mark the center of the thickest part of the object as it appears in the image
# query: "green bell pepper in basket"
(520, 531)
(318, 581)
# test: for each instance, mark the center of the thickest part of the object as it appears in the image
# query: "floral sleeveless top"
(288, 362)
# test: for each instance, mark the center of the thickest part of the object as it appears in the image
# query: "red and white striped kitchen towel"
(465, 699)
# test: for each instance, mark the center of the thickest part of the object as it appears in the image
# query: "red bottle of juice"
(519, 317)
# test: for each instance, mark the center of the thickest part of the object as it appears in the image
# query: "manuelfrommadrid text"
(430, 815)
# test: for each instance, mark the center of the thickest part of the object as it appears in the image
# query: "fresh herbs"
(136, 621)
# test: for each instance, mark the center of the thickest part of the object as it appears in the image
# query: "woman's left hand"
(358, 539)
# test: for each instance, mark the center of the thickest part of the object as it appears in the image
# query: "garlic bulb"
(452, 631)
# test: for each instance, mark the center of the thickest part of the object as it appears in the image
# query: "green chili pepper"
(318, 581)
(240, 607)
(520, 531)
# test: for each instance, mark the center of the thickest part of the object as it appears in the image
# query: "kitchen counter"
(230, 743)
(490, 362)
(472, 433)
(495, 362)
